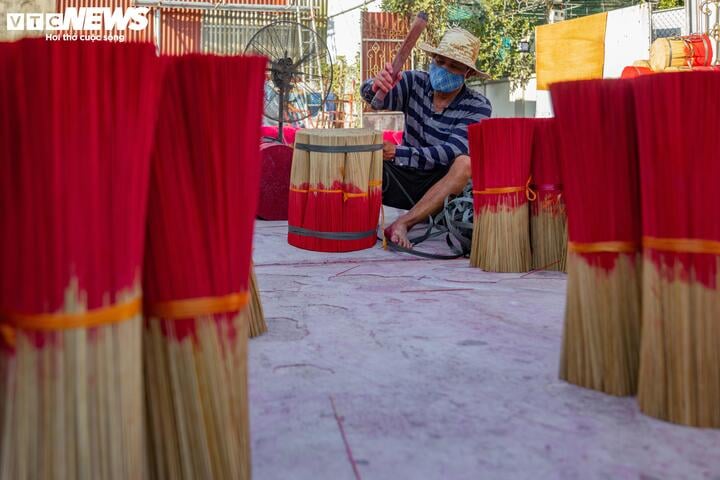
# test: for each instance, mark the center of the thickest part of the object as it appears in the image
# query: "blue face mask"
(444, 81)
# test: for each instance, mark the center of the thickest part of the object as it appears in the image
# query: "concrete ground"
(379, 365)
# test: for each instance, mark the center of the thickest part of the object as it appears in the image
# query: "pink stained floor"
(380, 365)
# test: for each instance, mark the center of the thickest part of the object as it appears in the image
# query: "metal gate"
(382, 34)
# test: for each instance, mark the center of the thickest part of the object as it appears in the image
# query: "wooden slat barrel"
(335, 189)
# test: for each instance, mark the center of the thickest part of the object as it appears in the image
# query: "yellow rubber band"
(602, 247)
(682, 245)
(198, 307)
(65, 321)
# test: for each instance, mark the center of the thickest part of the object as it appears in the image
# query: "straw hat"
(459, 45)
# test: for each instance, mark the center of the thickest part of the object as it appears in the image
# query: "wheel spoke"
(283, 39)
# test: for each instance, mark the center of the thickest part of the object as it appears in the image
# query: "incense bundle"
(73, 213)
(635, 71)
(500, 150)
(335, 189)
(548, 219)
(688, 51)
(600, 180)
(203, 198)
(255, 310)
(680, 359)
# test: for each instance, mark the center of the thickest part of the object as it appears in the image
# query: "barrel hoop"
(304, 232)
(339, 148)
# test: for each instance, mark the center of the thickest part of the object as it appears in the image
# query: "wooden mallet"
(402, 55)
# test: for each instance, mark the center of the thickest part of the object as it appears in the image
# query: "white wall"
(22, 6)
(507, 103)
(344, 39)
(627, 38)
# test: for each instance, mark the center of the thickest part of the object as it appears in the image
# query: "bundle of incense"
(548, 219)
(255, 310)
(600, 181)
(74, 191)
(500, 150)
(203, 199)
(335, 189)
(679, 356)
(688, 51)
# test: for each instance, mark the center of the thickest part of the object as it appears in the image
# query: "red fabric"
(679, 166)
(74, 184)
(204, 182)
(710, 68)
(272, 132)
(599, 162)
(393, 136)
(274, 180)
(634, 72)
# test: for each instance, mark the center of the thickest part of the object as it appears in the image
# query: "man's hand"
(384, 79)
(388, 150)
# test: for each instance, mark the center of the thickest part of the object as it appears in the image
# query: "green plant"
(436, 10)
(497, 23)
(664, 4)
(501, 30)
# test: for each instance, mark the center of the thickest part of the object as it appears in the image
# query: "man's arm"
(428, 158)
(398, 90)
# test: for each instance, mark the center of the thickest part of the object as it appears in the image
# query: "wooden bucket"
(335, 189)
(276, 161)
(688, 51)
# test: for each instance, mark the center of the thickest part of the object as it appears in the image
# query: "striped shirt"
(430, 140)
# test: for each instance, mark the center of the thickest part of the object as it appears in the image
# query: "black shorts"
(414, 182)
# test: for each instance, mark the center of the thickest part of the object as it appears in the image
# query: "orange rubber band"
(198, 307)
(603, 247)
(7, 335)
(529, 192)
(353, 195)
(382, 217)
(64, 321)
(322, 190)
(346, 195)
(499, 190)
(682, 245)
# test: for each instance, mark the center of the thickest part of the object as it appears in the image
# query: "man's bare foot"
(397, 233)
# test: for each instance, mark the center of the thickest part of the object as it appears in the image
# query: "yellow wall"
(570, 50)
